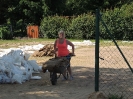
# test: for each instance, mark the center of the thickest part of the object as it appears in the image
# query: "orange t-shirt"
(62, 48)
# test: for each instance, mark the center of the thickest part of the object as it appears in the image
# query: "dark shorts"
(69, 58)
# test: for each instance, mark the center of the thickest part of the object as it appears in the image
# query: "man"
(61, 49)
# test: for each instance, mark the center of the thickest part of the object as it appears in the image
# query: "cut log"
(47, 50)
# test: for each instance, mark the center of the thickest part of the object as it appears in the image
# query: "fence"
(113, 63)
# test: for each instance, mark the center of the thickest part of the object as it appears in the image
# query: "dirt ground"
(115, 76)
(83, 84)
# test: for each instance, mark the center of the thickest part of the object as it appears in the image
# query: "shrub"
(82, 27)
(119, 23)
(5, 32)
(51, 25)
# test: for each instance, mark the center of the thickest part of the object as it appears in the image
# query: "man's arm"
(55, 48)
(72, 45)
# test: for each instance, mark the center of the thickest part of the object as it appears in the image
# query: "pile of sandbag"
(57, 65)
(47, 50)
(16, 68)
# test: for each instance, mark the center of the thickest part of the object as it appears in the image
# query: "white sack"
(34, 64)
(14, 68)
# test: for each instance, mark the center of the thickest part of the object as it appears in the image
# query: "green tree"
(4, 10)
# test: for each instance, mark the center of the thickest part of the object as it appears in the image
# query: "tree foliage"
(32, 11)
(20, 13)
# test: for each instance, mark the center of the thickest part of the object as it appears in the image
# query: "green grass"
(24, 40)
(28, 41)
(111, 43)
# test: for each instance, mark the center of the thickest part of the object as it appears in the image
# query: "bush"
(82, 27)
(119, 23)
(5, 32)
(51, 25)
(76, 27)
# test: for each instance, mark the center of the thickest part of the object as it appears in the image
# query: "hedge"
(119, 22)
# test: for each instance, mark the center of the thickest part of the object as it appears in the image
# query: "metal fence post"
(97, 52)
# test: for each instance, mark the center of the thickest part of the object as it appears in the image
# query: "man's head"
(61, 34)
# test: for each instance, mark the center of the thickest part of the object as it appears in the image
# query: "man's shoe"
(71, 78)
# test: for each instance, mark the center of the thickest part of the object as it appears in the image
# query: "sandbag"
(55, 65)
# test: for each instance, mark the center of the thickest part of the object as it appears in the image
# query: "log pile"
(47, 50)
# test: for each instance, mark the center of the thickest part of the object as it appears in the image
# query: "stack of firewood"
(47, 50)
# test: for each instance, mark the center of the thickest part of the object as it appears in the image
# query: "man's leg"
(70, 73)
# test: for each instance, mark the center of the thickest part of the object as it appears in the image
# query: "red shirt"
(62, 48)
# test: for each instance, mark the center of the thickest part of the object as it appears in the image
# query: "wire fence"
(115, 75)
(115, 66)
